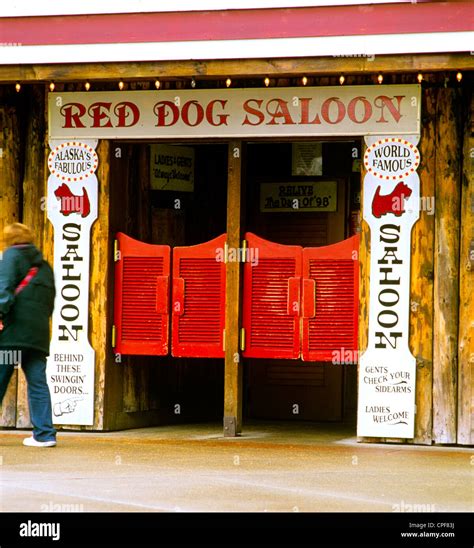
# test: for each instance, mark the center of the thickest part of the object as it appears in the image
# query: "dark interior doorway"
(184, 390)
(180, 390)
(294, 389)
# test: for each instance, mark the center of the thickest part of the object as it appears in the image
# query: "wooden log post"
(101, 263)
(364, 264)
(465, 434)
(421, 279)
(116, 394)
(9, 213)
(233, 361)
(364, 278)
(446, 266)
(48, 232)
(33, 206)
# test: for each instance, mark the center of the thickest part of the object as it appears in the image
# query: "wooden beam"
(421, 283)
(33, 205)
(237, 68)
(233, 360)
(446, 266)
(465, 434)
(9, 213)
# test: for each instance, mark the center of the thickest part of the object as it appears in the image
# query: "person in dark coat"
(26, 303)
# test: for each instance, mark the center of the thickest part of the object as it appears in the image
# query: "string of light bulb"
(267, 82)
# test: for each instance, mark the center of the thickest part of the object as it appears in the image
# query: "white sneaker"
(31, 442)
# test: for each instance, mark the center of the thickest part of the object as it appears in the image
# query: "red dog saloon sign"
(72, 209)
(264, 112)
(387, 369)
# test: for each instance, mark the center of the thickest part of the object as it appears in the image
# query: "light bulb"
(267, 81)
(121, 85)
(157, 84)
(228, 83)
(304, 80)
(419, 77)
(51, 86)
(193, 83)
(18, 87)
(459, 76)
(341, 79)
(87, 86)
(380, 78)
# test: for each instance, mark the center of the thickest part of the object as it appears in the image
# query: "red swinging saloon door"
(198, 300)
(141, 314)
(271, 303)
(330, 300)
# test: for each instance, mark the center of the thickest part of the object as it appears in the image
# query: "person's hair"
(17, 233)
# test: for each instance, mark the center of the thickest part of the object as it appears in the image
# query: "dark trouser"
(33, 364)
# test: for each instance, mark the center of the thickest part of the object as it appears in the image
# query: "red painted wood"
(239, 24)
(331, 282)
(198, 300)
(141, 300)
(271, 300)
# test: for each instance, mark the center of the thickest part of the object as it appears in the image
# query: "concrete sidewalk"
(272, 467)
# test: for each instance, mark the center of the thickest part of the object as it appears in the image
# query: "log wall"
(446, 265)
(422, 274)
(465, 430)
(10, 211)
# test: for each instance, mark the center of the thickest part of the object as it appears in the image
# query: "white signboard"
(298, 197)
(387, 369)
(72, 209)
(172, 168)
(264, 112)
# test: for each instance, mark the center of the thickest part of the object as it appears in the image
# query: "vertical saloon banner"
(387, 369)
(72, 209)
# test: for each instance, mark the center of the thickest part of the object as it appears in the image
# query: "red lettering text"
(383, 101)
(98, 112)
(280, 111)
(163, 110)
(341, 110)
(222, 118)
(125, 110)
(73, 112)
(305, 112)
(351, 110)
(198, 113)
(254, 112)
